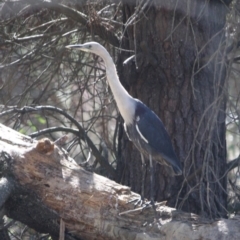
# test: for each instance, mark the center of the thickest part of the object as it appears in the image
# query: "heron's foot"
(143, 203)
(136, 201)
(150, 203)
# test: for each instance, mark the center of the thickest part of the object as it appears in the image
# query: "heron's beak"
(80, 47)
(74, 46)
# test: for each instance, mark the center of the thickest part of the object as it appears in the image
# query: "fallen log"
(43, 187)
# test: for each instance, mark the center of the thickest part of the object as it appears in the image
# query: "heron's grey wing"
(153, 130)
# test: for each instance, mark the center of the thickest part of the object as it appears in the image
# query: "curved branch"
(54, 129)
(94, 26)
(81, 133)
(233, 164)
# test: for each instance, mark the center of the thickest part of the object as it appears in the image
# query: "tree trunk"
(179, 72)
(41, 186)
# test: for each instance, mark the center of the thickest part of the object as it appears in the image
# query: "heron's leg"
(140, 201)
(143, 176)
(151, 180)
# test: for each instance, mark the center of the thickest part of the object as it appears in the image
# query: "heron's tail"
(177, 170)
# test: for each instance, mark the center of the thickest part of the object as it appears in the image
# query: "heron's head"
(92, 47)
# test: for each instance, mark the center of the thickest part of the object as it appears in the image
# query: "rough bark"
(49, 186)
(179, 72)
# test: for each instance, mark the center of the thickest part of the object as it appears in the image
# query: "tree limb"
(233, 164)
(91, 206)
(92, 25)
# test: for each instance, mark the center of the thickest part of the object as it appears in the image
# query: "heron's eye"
(90, 46)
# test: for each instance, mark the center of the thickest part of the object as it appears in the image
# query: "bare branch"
(81, 133)
(233, 164)
(93, 26)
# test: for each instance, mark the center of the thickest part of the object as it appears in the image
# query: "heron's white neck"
(125, 102)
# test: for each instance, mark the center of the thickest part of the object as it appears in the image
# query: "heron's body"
(143, 127)
(159, 146)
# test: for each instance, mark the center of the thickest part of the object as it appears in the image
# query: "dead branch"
(91, 206)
